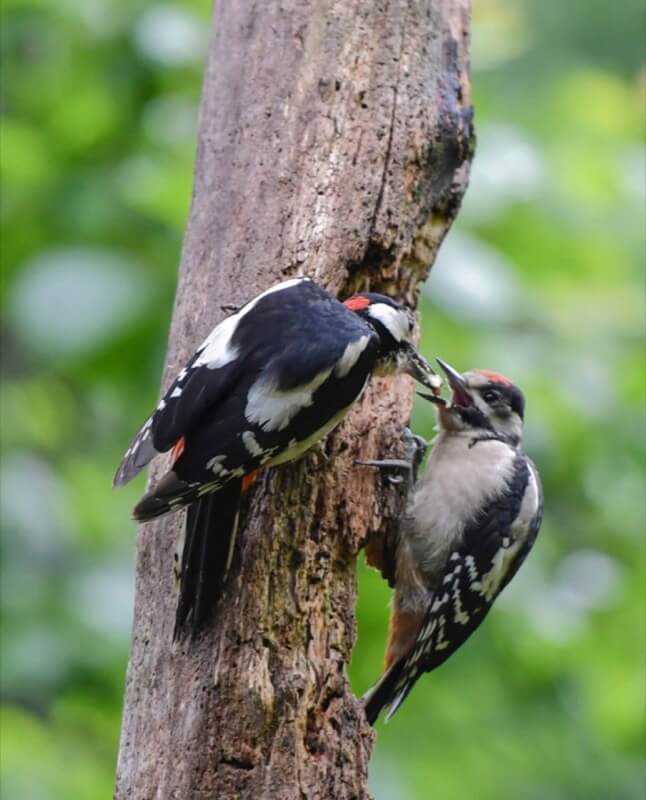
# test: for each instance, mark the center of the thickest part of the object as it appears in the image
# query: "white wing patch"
(350, 356)
(217, 350)
(274, 409)
(491, 581)
(251, 444)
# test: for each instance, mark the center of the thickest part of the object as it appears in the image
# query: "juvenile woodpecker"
(267, 384)
(471, 520)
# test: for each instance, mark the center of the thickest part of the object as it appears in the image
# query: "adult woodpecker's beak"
(419, 368)
(461, 396)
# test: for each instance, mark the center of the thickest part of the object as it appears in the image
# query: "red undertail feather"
(249, 480)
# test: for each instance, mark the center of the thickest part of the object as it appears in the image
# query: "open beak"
(461, 396)
(419, 368)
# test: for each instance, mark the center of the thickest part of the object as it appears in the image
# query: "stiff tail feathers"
(140, 452)
(169, 494)
(389, 690)
(211, 527)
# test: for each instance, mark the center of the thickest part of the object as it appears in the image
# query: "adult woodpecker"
(471, 520)
(267, 384)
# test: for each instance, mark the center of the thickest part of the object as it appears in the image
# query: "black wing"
(296, 335)
(195, 389)
(294, 331)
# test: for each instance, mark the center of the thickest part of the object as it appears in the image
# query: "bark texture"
(334, 141)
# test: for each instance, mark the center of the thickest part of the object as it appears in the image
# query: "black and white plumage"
(470, 522)
(268, 383)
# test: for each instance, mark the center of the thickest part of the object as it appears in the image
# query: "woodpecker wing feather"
(140, 452)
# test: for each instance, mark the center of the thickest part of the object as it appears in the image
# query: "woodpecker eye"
(490, 396)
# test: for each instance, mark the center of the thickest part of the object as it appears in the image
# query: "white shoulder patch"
(274, 409)
(350, 356)
(217, 350)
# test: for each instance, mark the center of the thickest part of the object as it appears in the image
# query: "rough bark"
(334, 141)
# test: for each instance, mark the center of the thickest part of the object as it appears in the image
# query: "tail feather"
(140, 452)
(169, 494)
(211, 526)
(387, 691)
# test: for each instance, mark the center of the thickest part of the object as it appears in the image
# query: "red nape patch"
(357, 303)
(494, 377)
(249, 480)
(178, 449)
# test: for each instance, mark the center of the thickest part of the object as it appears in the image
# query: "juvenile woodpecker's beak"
(461, 396)
(419, 368)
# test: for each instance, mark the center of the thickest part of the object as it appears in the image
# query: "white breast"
(457, 483)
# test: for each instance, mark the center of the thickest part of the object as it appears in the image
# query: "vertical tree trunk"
(334, 141)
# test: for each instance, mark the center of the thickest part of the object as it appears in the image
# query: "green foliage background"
(541, 278)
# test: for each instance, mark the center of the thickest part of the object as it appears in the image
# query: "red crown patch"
(494, 377)
(357, 303)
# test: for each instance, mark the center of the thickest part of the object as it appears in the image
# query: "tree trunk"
(334, 142)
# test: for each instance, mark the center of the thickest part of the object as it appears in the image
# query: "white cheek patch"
(480, 404)
(274, 409)
(394, 320)
(350, 356)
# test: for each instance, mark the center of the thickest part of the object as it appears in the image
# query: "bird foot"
(402, 470)
(319, 454)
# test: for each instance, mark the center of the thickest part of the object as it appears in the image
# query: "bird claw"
(415, 448)
(405, 469)
(319, 454)
(395, 464)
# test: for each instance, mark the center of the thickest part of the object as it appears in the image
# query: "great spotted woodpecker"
(267, 384)
(470, 522)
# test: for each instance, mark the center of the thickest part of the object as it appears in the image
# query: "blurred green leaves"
(541, 278)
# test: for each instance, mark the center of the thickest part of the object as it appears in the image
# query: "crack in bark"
(238, 763)
(389, 142)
